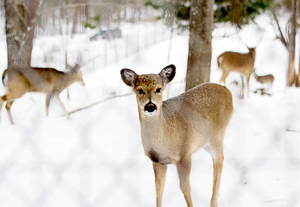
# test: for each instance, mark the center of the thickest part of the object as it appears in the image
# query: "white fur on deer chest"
(156, 142)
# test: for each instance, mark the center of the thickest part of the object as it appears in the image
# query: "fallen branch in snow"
(262, 91)
(292, 130)
(99, 102)
(107, 99)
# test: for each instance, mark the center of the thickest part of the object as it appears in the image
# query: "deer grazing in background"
(237, 62)
(264, 79)
(174, 129)
(19, 80)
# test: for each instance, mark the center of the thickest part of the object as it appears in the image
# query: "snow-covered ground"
(96, 158)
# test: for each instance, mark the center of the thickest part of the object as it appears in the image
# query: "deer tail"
(219, 60)
(4, 74)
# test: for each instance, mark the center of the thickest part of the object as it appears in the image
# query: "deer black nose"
(150, 107)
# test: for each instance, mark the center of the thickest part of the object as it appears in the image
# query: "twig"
(99, 102)
(224, 35)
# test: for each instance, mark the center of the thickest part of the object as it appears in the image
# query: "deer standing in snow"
(174, 129)
(237, 62)
(19, 80)
(264, 79)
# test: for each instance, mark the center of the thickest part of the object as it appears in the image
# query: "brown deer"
(264, 79)
(19, 80)
(174, 129)
(237, 62)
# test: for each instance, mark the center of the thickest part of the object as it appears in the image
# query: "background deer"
(21, 80)
(174, 129)
(237, 62)
(264, 79)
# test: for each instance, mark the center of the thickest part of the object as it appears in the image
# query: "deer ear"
(168, 73)
(68, 67)
(75, 68)
(128, 76)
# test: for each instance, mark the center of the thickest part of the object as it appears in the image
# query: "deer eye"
(140, 91)
(158, 90)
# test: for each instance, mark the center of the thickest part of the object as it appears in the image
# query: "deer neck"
(151, 126)
(68, 79)
(153, 135)
(252, 55)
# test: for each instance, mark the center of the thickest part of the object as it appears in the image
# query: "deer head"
(252, 50)
(148, 88)
(75, 71)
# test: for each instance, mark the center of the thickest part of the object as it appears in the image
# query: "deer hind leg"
(9, 98)
(217, 157)
(242, 93)
(160, 177)
(63, 106)
(68, 94)
(2, 99)
(8, 107)
(184, 169)
(224, 76)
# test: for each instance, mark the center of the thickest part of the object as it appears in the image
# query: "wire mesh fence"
(97, 159)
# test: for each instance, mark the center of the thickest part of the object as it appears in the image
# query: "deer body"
(237, 62)
(21, 80)
(186, 123)
(174, 129)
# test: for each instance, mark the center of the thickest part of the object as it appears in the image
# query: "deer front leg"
(223, 78)
(63, 106)
(160, 177)
(218, 165)
(184, 169)
(48, 99)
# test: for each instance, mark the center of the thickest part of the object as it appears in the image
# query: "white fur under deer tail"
(219, 60)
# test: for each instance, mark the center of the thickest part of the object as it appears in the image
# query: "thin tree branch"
(281, 37)
(99, 102)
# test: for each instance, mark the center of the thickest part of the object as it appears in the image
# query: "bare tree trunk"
(86, 10)
(31, 22)
(298, 77)
(291, 45)
(199, 58)
(75, 21)
(20, 26)
(237, 11)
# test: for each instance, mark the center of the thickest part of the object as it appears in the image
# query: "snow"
(96, 157)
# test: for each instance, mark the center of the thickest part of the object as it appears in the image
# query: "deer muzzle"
(150, 107)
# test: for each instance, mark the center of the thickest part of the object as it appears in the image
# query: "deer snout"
(81, 81)
(150, 107)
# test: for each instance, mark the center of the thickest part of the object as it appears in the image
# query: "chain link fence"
(96, 158)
